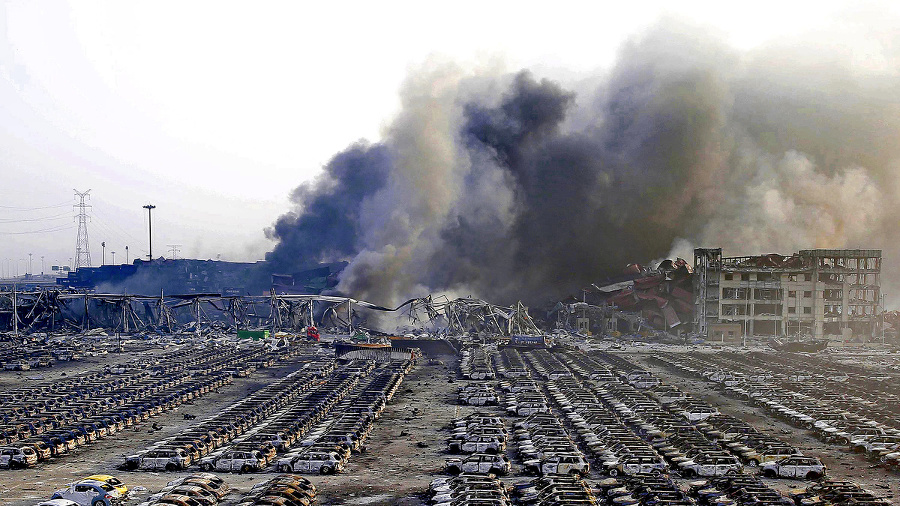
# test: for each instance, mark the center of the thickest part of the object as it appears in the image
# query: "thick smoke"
(513, 186)
(326, 223)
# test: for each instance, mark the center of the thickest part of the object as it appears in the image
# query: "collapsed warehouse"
(832, 295)
(56, 310)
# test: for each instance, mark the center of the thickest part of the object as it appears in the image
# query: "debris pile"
(663, 296)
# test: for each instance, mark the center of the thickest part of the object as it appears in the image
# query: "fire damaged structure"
(639, 299)
(814, 294)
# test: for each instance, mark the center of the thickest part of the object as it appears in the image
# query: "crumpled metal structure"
(470, 315)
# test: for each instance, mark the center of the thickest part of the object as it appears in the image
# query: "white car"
(710, 465)
(478, 444)
(310, 462)
(560, 463)
(446, 491)
(755, 457)
(477, 419)
(166, 459)
(698, 413)
(526, 408)
(635, 464)
(481, 463)
(874, 445)
(797, 466)
(491, 495)
(243, 461)
(478, 399)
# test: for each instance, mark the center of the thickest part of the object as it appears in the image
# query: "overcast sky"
(214, 111)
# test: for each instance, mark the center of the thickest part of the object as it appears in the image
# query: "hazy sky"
(214, 111)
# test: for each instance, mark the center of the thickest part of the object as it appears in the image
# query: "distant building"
(310, 281)
(830, 294)
(171, 276)
(90, 277)
(189, 276)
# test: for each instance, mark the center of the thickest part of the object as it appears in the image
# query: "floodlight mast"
(150, 208)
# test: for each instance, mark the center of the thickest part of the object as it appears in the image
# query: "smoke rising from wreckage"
(487, 189)
(513, 186)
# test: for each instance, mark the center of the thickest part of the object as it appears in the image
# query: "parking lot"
(607, 424)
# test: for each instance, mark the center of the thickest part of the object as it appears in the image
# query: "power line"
(112, 225)
(54, 229)
(15, 208)
(58, 216)
(106, 232)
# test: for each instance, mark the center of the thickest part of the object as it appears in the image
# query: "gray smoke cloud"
(513, 186)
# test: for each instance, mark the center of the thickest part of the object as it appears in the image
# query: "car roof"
(99, 477)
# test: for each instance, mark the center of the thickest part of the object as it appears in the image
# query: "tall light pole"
(150, 208)
(103, 248)
(42, 265)
(126, 254)
(30, 270)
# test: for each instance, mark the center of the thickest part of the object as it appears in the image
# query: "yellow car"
(110, 480)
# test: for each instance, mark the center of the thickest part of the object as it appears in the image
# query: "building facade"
(821, 294)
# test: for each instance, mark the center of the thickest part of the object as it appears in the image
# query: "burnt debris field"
(237, 422)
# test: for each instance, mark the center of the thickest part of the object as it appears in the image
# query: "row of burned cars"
(207, 489)
(475, 363)
(639, 489)
(199, 489)
(847, 406)
(307, 422)
(34, 353)
(486, 490)
(689, 432)
(578, 416)
(51, 419)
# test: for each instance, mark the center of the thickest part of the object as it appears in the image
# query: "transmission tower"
(82, 248)
(174, 248)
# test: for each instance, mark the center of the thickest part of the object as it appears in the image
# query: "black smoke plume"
(327, 223)
(514, 186)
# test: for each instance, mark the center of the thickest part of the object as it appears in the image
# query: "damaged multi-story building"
(820, 294)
